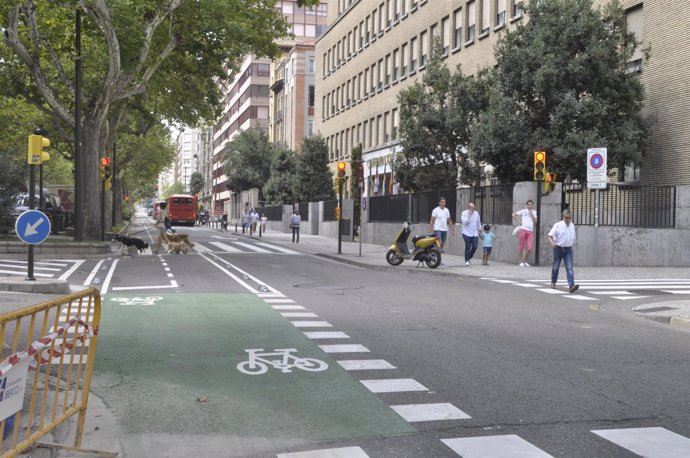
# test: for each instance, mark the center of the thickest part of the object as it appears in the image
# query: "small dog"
(132, 241)
(180, 238)
(178, 247)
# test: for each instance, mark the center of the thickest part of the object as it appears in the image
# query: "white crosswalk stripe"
(236, 247)
(42, 269)
(487, 446)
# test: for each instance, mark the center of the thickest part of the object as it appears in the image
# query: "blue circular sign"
(596, 161)
(32, 227)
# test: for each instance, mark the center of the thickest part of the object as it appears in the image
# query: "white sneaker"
(527, 265)
(467, 263)
(522, 264)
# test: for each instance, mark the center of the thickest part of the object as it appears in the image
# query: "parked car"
(51, 208)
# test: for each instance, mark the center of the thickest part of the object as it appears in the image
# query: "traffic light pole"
(102, 210)
(32, 204)
(340, 218)
(537, 230)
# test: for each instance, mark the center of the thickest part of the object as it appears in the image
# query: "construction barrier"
(48, 352)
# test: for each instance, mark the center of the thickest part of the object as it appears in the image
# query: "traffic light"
(342, 166)
(539, 165)
(549, 182)
(37, 154)
(105, 168)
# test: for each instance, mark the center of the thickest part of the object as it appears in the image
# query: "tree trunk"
(90, 196)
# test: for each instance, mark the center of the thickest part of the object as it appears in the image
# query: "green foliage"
(141, 158)
(436, 115)
(313, 177)
(561, 86)
(279, 188)
(196, 183)
(175, 188)
(247, 161)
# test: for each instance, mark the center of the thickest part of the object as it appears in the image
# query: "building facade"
(186, 147)
(374, 49)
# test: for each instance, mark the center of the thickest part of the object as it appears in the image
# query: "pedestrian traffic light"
(342, 166)
(549, 182)
(539, 165)
(105, 168)
(37, 153)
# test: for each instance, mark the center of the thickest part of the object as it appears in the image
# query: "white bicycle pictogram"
(259, 361)
(151, 300)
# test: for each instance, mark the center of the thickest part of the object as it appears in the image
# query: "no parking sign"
(596, 168)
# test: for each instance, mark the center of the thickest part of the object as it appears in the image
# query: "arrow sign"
(32, 227)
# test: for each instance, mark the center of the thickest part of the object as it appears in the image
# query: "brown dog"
(178, 247)
(184, 238)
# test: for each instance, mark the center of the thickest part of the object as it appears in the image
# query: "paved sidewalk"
(374, 256)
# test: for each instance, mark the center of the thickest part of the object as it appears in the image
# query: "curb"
(39, 286)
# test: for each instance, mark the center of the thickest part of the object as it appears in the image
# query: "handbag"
(516, 231)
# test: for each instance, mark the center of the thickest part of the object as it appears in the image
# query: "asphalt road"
(510, 371)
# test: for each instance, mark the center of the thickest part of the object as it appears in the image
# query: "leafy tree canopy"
(314, 178)
(247, 160)
(279, 188)
(196, 183)
(175, 188)
(562, 86)
(436, 114)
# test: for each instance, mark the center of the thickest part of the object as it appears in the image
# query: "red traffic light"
(105, 161)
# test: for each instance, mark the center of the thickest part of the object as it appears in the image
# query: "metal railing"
(274, 213)
(329, 207)
(48, 355)
(622, 205)
(494, 203)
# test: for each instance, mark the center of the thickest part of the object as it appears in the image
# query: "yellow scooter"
(427, 249)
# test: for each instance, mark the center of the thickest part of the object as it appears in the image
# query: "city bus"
(182, 209)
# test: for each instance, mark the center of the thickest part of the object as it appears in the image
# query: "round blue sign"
(596, 161)
(32, 227)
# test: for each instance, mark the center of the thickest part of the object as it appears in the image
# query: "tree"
(313, 177)
(196, 183)
(279, 188)
(247, 161)
(172, 52)
(175, 188)
(356, 183)
(436, 114)
(562, 86)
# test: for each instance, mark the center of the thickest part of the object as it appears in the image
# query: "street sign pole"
(596, 179)
(32, 197)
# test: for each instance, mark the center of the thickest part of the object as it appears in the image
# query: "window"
(500, 12)
(309, 30)
(368, 30)
(379, 131)
(373, 78)
(396, 61)
(413, 54)
(394, 129)
(390, 12)
(373, 25)
(486, 17)
(398, 10)
(310, 128)
(633, 20)
(385, 127)
(311, 96)
(517, 9)
(298, 30)
(312, 65)
(361, 35)
(364, 83)
(424, 43)
(457, 27)
(364, 134)
(471, 21)
(347, 94)
(445, 37)
(405, 58)
(388, 70)
(413, 4)
(379, 74)
(382, 18)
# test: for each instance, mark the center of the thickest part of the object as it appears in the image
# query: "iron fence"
(391, 208)
(494, 203)
(304, 211)
(329, 207)
(622, 205)
(274, 213)
(423, 203)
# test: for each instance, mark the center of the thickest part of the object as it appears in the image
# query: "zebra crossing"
(653, 442)
(633, 288)
(235, 246)
(60, 270)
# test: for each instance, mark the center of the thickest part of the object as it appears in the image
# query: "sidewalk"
(675, 312)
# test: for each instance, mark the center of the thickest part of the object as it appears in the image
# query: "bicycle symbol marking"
(259, 360)
(136, 300)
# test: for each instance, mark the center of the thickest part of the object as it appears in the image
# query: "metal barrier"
(48, 354)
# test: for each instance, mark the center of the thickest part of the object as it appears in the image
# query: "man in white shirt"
(471, 227)
(440, 221)
(528, 220)
(561, 238)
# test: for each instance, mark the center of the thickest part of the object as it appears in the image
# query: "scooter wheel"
(393, 258)
(433, 259)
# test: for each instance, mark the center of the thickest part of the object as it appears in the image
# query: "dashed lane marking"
(299, 315)
(365, 364)
(344, 452)
(311, 324)
(326, 335)
(287, 307)
(494, 446)
(648, 442)
(430, 412)
(346, 348)
(393, 385)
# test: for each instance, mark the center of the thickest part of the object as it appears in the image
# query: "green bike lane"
(170, 366)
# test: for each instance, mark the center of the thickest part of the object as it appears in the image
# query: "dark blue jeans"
(566, 254)
(471, 244)
(295, 234)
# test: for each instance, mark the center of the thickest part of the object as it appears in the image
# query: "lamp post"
(78, 179)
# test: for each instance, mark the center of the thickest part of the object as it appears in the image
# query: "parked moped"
(427, 249)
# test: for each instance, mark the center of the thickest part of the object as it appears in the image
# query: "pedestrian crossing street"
(60, 270)
(647, 442)
(651, 442)
(635, 288)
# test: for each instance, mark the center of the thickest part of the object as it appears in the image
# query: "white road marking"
(497, 280)
(36, 267)
(287, 307)
(252, 247)
(345, 452)
(172, 284)
(280, 301)
(265, 295)
(527, 285)
(278, 248)
(37, 263)
(648, 442)
(93, 273)
(326, 335)
(299, 315)
(393, 385)
(674, 291)
(430, 412)
(344, 348)
(311, 324)
(16, 272)
(200, 248)
(108, 277)
(623, 298)
(579, 297)
(365, 364)
(551, 291)
(494, 446)
(226, 247)
(71, 270)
